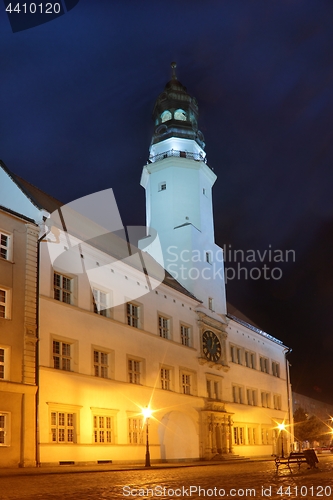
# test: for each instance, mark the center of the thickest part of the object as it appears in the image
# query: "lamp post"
(281, 429)
(146, 412)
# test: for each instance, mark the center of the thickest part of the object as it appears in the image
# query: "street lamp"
(146, 412)
(281, 429)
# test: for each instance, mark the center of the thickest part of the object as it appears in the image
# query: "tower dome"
(176, 113)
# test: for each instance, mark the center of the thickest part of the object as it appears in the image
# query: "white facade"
(216, 385)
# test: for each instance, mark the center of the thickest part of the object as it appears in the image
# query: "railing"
(180, 154)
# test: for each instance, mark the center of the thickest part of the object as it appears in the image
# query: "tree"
(308, 428)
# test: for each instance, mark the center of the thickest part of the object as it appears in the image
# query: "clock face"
(211, 346)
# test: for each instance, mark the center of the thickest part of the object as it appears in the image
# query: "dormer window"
(166, 116)
(180, 115)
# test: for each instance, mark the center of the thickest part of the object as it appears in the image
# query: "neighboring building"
(217, 385)
(18, 321)
(313, 407)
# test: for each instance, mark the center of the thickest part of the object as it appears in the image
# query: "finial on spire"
(174, 66)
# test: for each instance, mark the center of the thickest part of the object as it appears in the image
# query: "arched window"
(180, 115)
(166, 116)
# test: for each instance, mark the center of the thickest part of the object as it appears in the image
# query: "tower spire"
(174, 66)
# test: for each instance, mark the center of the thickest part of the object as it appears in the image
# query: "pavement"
(70, 469)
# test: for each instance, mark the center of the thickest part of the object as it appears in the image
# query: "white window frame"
(103, 429)
(63, 426)
(5, 420)
(277, 401)
(135, 370)
(185, 335)
(237, 394)
(162, 186)
(213, 387)
(5, 303)
(264, 364)
(236, 354)
(6, 250)
(133, 314)
(135, 429)
(166, 378)
(65, 355)
(239, 435)
(276, 369)
(64, 289)
(101, 302)
(252, 397)
(101, 363)
(4, 362)
(164, 326)
(187, 382)
(250, 360)
(265, 399)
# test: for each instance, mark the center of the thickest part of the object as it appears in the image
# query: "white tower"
(178, 184)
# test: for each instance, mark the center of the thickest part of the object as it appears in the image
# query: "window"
(164, 327)
(208, 257)
(277, 402)
(166, 379)
(264, 365)
(4, 429)
(185, 335)
(210, 304)
(213, 388)
(133, 314)
(4, 303)
(265, 399)
(5, 246)
(265, 435)
(237, 394)
(103, 429)
(236, 354)
(166, 116)
(162, 186)
(251, 435)
(62, 427)
(251, 397)
(180, 115)
(62, 286)
(2, 363)
(250, 360)
(238, 435)
(101, 364)
(135, 427)
(186, 383)
(275, 369)
(134, 371)
(62, 355)
(100, 302)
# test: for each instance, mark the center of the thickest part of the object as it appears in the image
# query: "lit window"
(180, 115)
(133, 315)
(185, 335)
(264, 365)
(100, 364)
(103, 429)
(5, 246)
(166, 379)
(265, 399)
(62, 286)
(61, 355)
(237, 394)
(134, 371)
(275, 369)
(238, 435)
(166, 116)
(62, 427)
(4, 303)
(164, 327)
(135, 426)
(4, 429)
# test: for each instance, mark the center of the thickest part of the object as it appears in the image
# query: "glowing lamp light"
(146, 412)
(281, 427)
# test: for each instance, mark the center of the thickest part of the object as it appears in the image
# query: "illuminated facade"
(217, 385)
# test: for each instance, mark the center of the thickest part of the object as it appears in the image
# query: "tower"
(178, 184)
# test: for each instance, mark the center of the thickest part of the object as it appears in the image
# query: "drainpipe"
(288, 350)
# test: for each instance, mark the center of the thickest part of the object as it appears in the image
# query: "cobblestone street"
(242, 480)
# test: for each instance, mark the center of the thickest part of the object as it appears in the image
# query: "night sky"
(76, 99)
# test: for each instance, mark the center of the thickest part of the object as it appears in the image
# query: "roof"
(39, 198)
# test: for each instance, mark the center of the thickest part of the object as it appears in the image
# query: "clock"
(211, 346)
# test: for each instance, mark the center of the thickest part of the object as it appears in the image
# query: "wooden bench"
(305, 457)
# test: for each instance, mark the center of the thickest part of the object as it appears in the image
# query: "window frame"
(8, 248)
(136, 373)
(185, 339)
(135, 321)
(102, 364)
(264, 364)
(164, 326)
(213, 387)
(237, 394)
(276, 369)
(135, 431)
(61, 288)
(5, 305)
(105, 312)
(5, 429)
(4, 362)
(187, 382)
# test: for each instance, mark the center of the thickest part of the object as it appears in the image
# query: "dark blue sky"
(76, 100)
